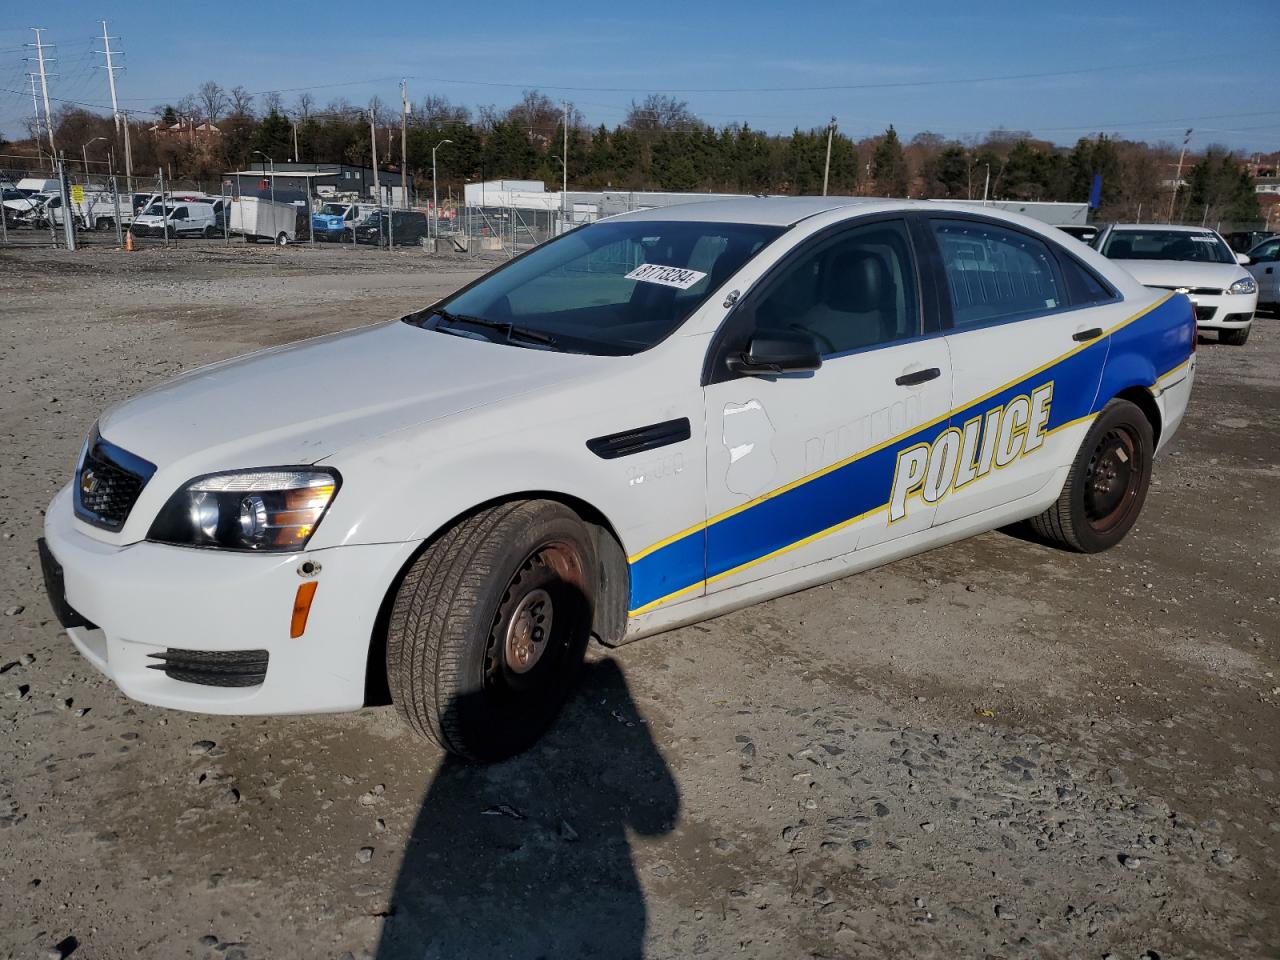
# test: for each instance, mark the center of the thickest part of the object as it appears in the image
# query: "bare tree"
(662, 112)
(241, 102)
(272, 102)
(213, 100)
(438, 110)
(304, 105)
(536, 113)
(188, 107)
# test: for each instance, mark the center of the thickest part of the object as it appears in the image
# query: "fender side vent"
(213, 668)
(640, 439)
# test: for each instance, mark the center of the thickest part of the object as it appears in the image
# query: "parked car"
(1085, 234)
(336, 219)
(643, 423)
(1264, 264)
(176, 220)
(1191, 260)
(1241, 241)
(404, 227)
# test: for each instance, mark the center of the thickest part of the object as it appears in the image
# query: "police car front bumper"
(209, 630)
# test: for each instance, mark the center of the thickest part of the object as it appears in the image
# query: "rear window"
(996, 274)
(1206, 247)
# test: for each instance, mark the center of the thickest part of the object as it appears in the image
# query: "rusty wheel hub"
(528, 631)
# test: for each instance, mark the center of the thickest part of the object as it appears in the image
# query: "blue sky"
(1146, 70)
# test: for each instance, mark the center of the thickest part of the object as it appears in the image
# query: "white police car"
(641, 424)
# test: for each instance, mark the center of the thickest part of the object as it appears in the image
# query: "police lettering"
(961, 455)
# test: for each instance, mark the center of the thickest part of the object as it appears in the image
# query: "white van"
(188, 219)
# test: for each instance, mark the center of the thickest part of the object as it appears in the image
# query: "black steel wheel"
(1107, 486)
(489, 626)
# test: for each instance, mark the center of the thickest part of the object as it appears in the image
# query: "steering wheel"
(823, 341)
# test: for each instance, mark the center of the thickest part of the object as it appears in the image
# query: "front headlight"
(274, 508)
(1244, 285)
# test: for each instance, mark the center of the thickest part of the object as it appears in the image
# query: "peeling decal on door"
(748, 436)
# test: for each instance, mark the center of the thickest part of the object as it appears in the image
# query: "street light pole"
(84, 153)
(435, 193)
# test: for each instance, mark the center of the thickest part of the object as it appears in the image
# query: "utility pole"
(1177, 180)
(373, 142)
(44, 87)
(35, 112)
(128, 157)
(111, 77)
(986, 186)
(404, 152)
(564, 162)
(826, 169)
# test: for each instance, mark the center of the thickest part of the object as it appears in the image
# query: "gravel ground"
(991, 750)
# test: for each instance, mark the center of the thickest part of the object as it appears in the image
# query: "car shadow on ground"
(531, 857)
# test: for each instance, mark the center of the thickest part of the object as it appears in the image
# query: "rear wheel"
(489, 626)
(282, 239)
(1107, 485)
(1234, 338)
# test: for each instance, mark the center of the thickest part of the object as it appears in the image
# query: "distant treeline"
(661, 145)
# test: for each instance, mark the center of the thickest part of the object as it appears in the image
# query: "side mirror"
(1243, 259)
(777, 352)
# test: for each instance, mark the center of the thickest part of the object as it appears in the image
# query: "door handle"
(1093, 333)
(918, 376)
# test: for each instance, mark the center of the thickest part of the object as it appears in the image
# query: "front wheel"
(282, 239)
(489, 627)
(1107, 485)
(1234, 338)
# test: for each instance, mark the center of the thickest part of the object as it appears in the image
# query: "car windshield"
(611, 288)
(156, 210)
(1167, 245)
(334, 209)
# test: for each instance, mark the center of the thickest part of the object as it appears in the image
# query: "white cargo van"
(188, 219)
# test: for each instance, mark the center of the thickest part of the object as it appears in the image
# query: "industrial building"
(319, 180)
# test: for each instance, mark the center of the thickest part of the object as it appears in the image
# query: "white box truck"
(258, 218)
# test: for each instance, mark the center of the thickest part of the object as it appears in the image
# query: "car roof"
(765, 211)
(1163, 227)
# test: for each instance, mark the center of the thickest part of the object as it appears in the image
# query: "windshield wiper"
(508, 330)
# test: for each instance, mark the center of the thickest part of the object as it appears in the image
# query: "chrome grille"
(108, 482)
(1191, 291)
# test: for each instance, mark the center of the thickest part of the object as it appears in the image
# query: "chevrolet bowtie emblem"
(88, 482)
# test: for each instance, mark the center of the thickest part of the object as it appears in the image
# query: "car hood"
(1183, 273)
(307, 401)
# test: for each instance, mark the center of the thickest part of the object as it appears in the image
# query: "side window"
(180, 213)
(996, 274)
(1082, 284)
(854, 290)
(1267, 252)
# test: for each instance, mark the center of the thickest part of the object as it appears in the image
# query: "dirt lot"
(992, 750)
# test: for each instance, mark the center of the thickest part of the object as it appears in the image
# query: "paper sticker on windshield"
(677, 277)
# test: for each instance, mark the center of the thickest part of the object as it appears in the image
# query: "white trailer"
(257, 218)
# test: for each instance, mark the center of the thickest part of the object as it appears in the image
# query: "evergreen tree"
(889, 166)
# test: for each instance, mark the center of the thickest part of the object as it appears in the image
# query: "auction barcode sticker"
(677, 277)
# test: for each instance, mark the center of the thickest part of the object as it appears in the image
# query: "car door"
(1026, 323)
(178, 221)
(1265, 266)
(800, 466)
